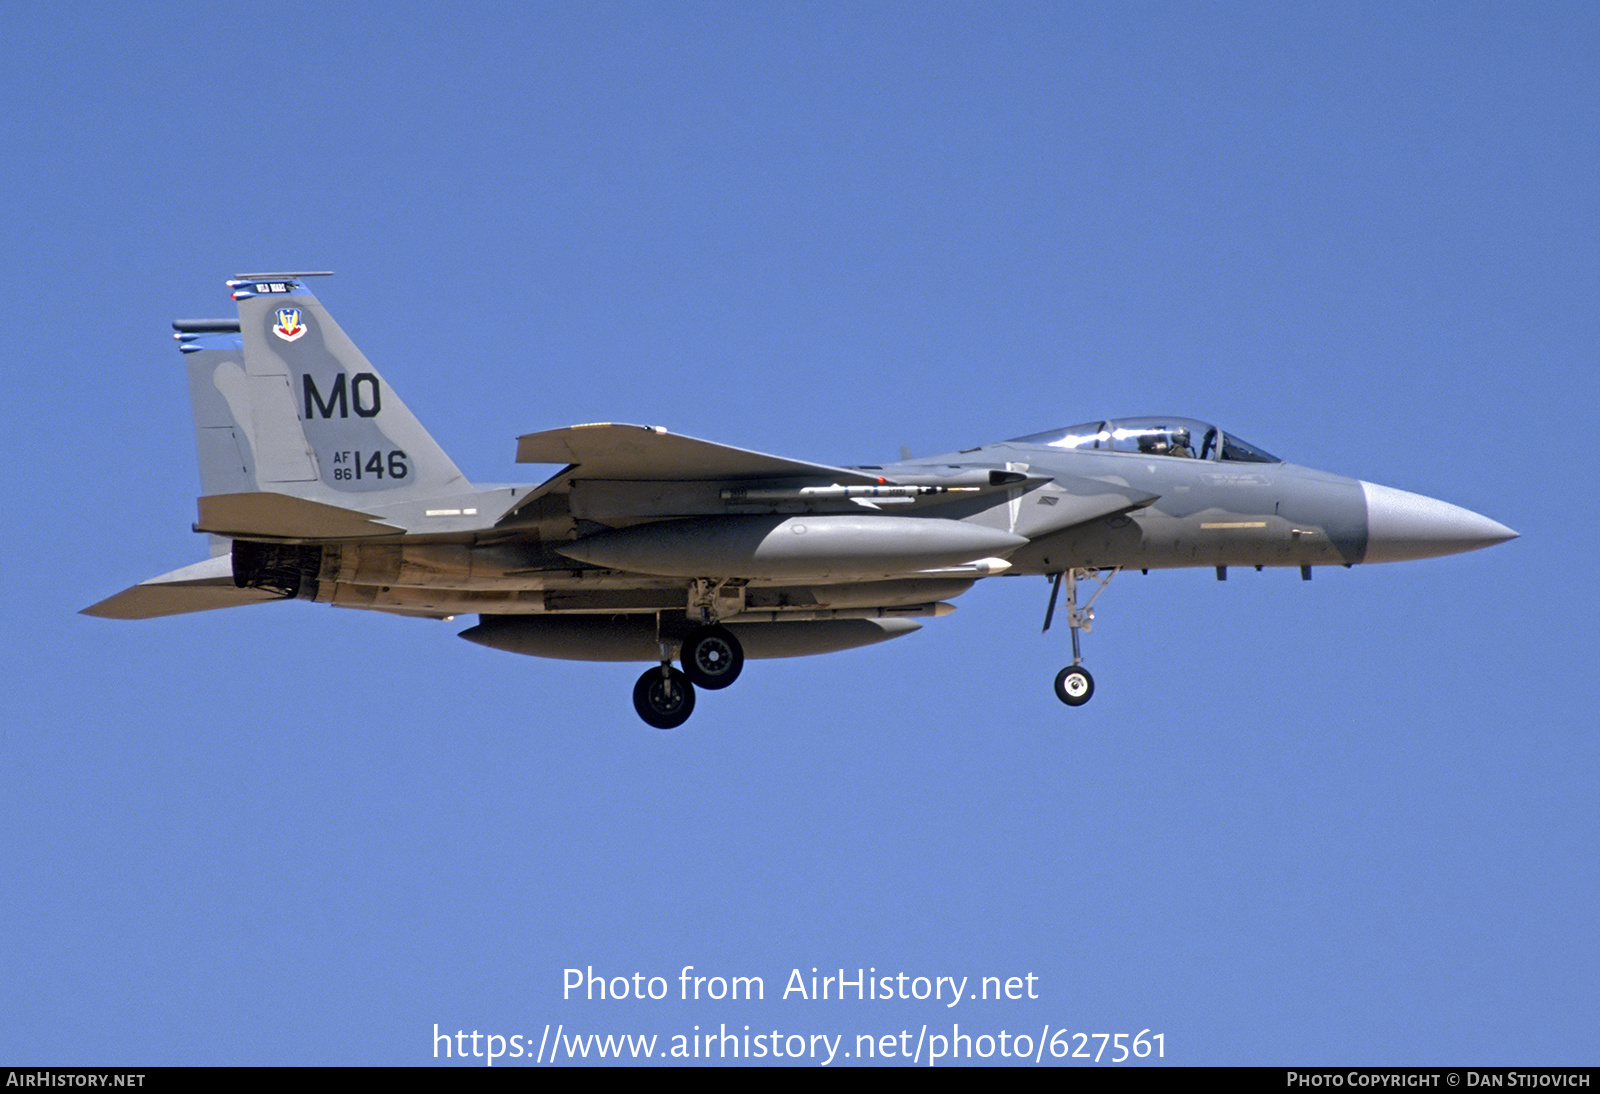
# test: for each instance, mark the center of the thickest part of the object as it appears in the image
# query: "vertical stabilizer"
(285, 403)
(214, 353)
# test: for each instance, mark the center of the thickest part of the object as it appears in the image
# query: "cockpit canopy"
(1181, 437)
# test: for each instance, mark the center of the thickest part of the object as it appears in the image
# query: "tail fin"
(284, 403)
(299, 439)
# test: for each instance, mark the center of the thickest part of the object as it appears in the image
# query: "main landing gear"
(1074, 685)
(712, 659)
(664, 697)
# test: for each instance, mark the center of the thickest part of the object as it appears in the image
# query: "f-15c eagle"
(318, 484)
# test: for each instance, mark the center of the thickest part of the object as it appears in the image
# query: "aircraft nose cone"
(1402, 525)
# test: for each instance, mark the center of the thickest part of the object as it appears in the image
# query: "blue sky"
(1349, 821)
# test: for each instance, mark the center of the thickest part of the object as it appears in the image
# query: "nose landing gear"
(1074, 685)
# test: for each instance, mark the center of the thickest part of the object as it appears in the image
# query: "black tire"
(1074, 685)
(712, 657)
(663, 700)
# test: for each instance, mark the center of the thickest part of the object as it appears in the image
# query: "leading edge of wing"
(645, 453)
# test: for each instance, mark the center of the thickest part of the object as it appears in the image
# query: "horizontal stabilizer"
(199, 588)
(642, 453)
(266, 515)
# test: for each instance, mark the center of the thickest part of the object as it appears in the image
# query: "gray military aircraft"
(318, 484)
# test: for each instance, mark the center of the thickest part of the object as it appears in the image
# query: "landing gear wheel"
(1074, 685)
(712, 657)
(664, 699)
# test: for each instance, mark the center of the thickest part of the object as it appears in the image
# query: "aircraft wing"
(644, 453)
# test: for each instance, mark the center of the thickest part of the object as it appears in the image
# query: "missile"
(835, 492)
(790, 615)
(834, 547)
(983, 567)
(907, 487)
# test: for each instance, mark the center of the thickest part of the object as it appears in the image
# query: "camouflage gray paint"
(318, 483)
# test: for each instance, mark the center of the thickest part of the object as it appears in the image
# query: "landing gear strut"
(1074, 685)
(663, 696)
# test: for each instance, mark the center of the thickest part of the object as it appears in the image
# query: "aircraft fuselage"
(319, 484)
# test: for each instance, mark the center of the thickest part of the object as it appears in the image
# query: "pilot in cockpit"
(1173, 443)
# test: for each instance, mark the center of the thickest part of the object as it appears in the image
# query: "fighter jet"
(318, 484)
